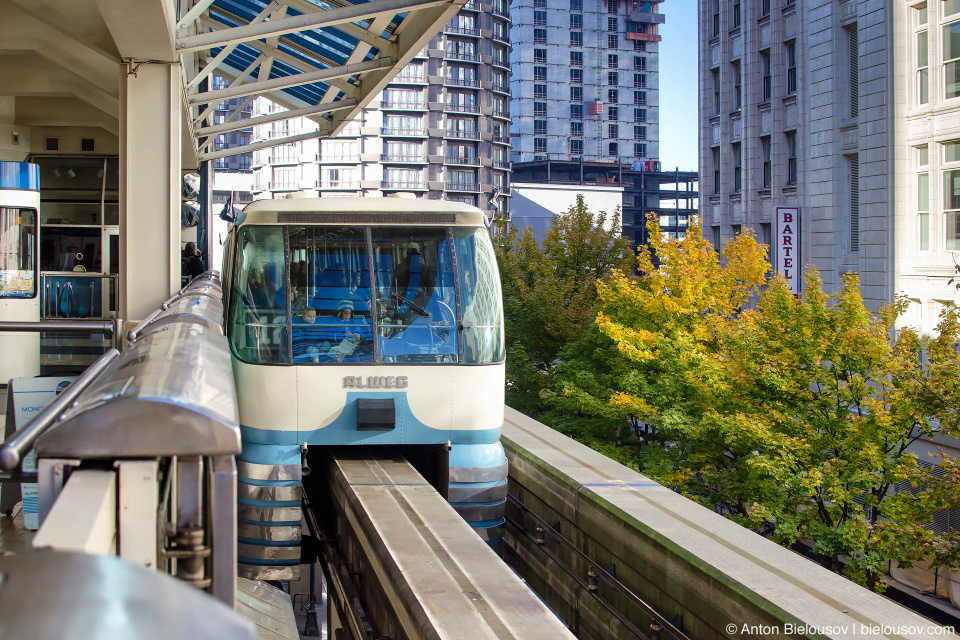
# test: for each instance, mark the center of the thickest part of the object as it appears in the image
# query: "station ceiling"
(63, 61)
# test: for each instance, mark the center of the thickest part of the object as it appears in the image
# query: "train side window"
(18, 260)
(258, 311)
(481, 312)
(415, 295)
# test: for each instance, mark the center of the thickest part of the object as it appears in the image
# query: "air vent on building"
(51, 144)
(87, 144)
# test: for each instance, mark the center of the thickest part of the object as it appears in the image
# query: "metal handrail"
(134, 333)
(112, 327)
(16, 446)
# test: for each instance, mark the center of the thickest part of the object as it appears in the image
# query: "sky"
(678, 85)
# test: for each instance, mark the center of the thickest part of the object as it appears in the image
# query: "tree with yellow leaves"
(792, 415)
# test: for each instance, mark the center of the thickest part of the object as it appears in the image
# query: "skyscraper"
(585, 80)
(440, 130)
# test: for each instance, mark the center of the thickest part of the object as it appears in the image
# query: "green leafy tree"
(793, 416)
(550, 292)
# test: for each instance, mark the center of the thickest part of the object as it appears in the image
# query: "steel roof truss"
(328, 18)
(369, 36)
(293, 61)
(212, 106)
(222, 153)
(274, 117)
(213, 64)
(285, 82)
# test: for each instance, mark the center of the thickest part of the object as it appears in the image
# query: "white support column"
(84, 517)
(139, 498)
(150, 160)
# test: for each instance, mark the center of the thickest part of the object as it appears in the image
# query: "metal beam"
(278, 84)
(222, 153)
(327, 18)
(193, 14)
(282, 56)
(275, 117)
(212, 106)
(213, 64)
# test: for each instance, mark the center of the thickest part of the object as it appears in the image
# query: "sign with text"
(786, 246)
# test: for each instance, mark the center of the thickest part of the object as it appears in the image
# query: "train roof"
(361, 211)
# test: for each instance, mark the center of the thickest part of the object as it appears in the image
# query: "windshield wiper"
(423, 312)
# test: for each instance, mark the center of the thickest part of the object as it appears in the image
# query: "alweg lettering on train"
(375, 382)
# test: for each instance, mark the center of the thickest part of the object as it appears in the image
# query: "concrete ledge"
(676, 555)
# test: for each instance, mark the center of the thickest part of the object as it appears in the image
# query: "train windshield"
(18, 260)
(365, 295)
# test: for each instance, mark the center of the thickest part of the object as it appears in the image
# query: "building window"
(791, 67)
(853, 40)
(612, 24)
(640, 80)
(923, 71)
(576, 94)
(790, 137)
(576, 129)
(764, 8)
(639, 150)
(245, 162)
(576, 112)
(737, 86)
(612, 42)
(539, 36)
(951, 199)
(576, 5)
(767, 165)
(613, 61)
(613, 96)
(540, 91)
(613, 131)
(221, 163)
(540, 109)
(854, 168)
(539, 145)
(613, 149)
(639, 63)
(766, 89)
(640, 98)
(576, 76)
(736, 13)
(613, 113)
(611, 6)
(639, 133)
(540, 56)
(539, 4)
(576, 58)
(737, 166)
(923, 209)
(951, 58)
(639, 115)
(540, 127)
(539, 74)
(539, 18)
(576, 38)
(639, 45)
(576, 21)
(613, 78)
(576, 147)
(716, 18)
(716, 170)
(715, 75)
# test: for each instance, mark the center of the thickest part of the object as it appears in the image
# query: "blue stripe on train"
(343, 430)
(269, 543)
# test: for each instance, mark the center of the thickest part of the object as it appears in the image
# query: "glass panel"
(951, 51)
(479, 297)
(923, 192)
(70, 249)
(953, 231)
(415, 295)
(924, 155)
(18, 262)
(924, 231)
(951, 7)
(258, 306)
(922, 49)
(951, 153)
(330, 277)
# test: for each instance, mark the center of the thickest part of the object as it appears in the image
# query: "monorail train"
(362, 321)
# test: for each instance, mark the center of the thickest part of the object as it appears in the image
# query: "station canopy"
(321, 59)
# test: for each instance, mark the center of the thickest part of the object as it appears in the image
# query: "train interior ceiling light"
(321, 59)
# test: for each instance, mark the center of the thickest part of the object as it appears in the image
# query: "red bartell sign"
(786, 246)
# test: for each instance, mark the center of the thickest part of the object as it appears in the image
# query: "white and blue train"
(362, 321)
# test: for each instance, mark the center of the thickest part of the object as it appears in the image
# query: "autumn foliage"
(797, 416)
